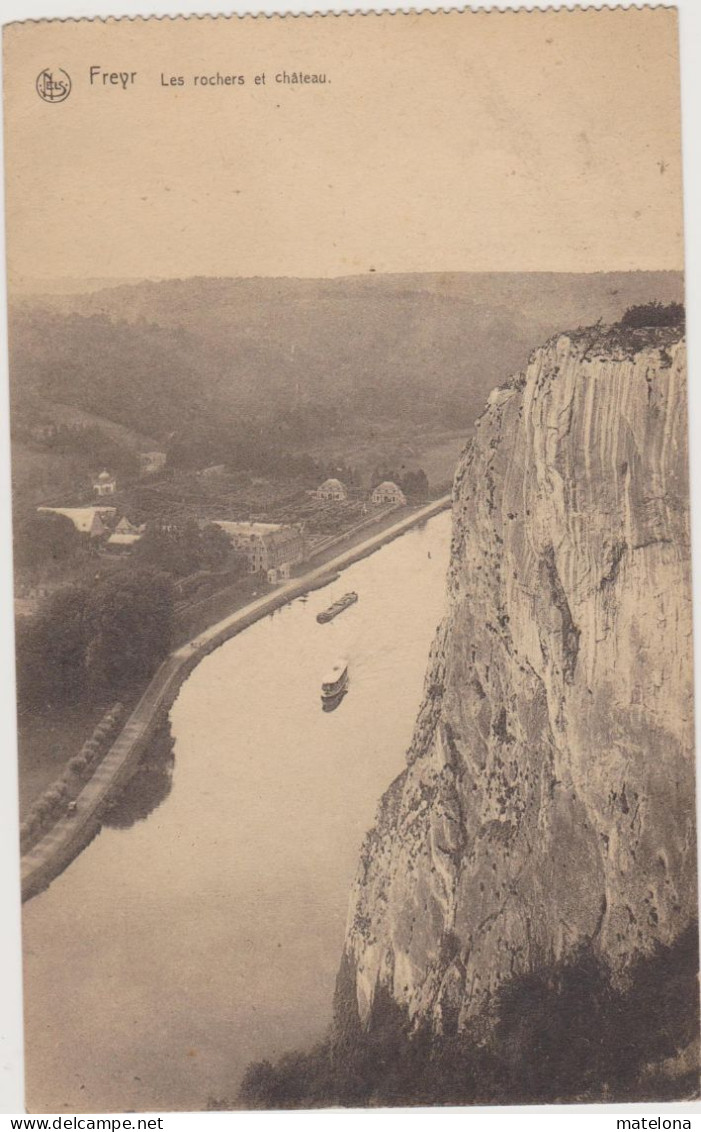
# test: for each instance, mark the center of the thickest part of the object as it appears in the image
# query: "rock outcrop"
(548, 798)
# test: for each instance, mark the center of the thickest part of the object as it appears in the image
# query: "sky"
(517, 141)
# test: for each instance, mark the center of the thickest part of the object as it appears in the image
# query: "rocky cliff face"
(548, 799)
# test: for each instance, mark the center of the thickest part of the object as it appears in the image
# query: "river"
(208, 934)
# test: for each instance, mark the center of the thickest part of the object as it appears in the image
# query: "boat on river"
(337, 607)
(334, 701)
(335, 683)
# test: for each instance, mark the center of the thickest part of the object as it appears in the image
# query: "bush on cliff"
(566, 1033)
(654, 314)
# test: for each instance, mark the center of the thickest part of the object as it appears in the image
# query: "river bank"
(58, 847)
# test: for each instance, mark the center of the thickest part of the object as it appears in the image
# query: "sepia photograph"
(352, 569)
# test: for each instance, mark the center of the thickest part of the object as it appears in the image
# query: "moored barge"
(337, 607)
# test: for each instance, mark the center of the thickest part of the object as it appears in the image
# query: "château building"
(267, 546)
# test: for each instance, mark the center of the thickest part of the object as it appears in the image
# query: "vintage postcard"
(352, 568)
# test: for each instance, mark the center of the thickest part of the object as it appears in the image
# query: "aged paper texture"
(351, 535)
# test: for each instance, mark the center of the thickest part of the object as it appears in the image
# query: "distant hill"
(200, 359)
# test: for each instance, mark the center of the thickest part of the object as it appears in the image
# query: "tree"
(415, 486)
(214, 547)
(383, 474)
(182, 548)
(46, 538)
(51, 650)
(129, 627)
(155, 549)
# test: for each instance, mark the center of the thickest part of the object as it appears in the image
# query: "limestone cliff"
(548, 798)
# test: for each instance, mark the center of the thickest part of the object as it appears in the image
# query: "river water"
(208, 934)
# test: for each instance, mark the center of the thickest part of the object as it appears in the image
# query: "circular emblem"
(53, 84)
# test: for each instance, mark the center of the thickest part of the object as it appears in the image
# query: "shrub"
(654, 314)
(567, 1031)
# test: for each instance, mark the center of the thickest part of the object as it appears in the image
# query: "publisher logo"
(53, 84)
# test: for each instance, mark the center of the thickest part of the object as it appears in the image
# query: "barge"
(337, 607)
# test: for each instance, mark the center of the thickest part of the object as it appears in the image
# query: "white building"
(279, 573)
(388, 492)
(105, 484)
(124, 527)
(125, 535)
(332, 490)
(122, 542)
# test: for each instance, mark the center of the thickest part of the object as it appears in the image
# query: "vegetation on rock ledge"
(567, 1033)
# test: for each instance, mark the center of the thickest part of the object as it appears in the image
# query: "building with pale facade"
(388, 492)
(267, 546)
(332, 491)
(125, 536)
(105, 484)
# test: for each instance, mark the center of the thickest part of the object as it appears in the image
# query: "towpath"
(57, 848)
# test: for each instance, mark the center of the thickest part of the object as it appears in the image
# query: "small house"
(279, 573)
(123, 543)
(332, 490)
(388, 493)
(105, 484)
